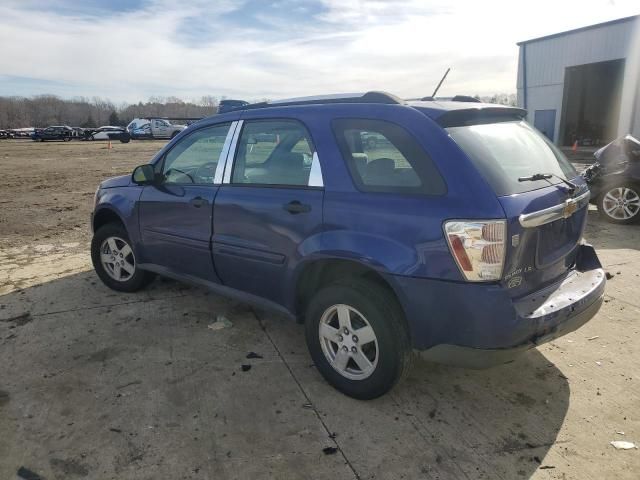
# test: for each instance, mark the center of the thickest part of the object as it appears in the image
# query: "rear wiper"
(546, 176)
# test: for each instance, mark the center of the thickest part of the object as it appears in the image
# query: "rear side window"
(384, 157)
(506, 151)
(273, 152)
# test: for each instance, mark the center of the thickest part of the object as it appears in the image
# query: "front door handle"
(198, 202)
(294, 207)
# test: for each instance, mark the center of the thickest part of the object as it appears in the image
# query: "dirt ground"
(100, 385)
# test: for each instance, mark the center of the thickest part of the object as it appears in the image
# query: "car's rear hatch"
(545, 217)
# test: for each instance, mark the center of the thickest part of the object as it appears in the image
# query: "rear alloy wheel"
(357, 337)
(620, 204)
(348, 342)
(114, 260)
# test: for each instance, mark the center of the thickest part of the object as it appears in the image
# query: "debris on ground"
(307, 405)
(27, 474)
(19, 320)
(329, 450)
(246, 368)
(594, 337)
(620, 433)
(135, 382)
(254, 355)
(622, 445)
(599, 363)
(115, 430)
(609, 275)
(220, 323)
(547, 467)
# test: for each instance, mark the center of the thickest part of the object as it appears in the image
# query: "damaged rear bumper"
(531, 320)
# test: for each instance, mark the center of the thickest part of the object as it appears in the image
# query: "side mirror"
(144, 175)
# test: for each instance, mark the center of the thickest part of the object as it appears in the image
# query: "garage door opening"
(591, 103)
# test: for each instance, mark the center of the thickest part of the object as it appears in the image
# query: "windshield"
(505, 151)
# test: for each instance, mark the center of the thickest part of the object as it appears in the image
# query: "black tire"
(137, 281)
(605, 204)
(384, 315)
(125, 139)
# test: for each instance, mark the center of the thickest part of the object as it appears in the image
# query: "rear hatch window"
(503, 152)
(506, 151)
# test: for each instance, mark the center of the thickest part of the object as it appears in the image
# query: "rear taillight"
(478, 247)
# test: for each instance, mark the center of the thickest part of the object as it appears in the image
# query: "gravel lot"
(100, 385)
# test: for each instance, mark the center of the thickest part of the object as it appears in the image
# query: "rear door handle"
(294, 207)
(198, 202)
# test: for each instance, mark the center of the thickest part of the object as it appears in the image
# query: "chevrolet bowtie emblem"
(570, 207)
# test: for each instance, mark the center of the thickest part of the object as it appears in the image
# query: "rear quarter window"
(383, 157)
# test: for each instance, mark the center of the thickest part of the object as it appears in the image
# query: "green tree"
(114, 119)
(90, 123)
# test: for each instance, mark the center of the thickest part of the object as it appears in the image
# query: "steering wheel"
(206, 170)
(171, 170)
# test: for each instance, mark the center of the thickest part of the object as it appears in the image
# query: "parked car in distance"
(614, 180)
(22, 132)
(6, 134)
(227, 105)
(458, 234)
(150, 128)
(56, 132)
(108, 132)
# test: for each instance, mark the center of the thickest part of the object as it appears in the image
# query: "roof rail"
(367, 97)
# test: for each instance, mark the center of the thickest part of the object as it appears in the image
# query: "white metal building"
(583, 85)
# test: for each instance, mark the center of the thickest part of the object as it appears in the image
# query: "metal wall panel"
(546, 60)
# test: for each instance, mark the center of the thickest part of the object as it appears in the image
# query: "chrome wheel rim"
(348, 342)
(621, 203)
(117, 259)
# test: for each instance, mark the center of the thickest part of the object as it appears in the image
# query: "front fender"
(123, 203)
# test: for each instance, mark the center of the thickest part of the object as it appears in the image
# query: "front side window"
(194, 159)
(384, 157)
(273, 152)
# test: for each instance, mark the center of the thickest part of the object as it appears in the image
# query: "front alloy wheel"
(114, 261)
(117, 259)
(621, 204)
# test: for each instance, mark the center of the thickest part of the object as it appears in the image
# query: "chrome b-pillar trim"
(224, 154)
(232, 151)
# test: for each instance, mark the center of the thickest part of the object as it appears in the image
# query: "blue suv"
(383, 225)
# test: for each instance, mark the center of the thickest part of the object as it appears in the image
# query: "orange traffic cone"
(575, 146)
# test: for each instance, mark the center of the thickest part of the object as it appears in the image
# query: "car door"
(269, 203)
(175, 215)
(160, 128)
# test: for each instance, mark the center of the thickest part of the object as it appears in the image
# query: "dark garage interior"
(591, 103)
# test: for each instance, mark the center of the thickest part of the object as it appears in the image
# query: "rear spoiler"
(476, 116)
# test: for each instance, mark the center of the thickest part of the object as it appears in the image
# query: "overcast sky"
(129, 50)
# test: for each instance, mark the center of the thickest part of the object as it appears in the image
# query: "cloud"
(255, 49)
